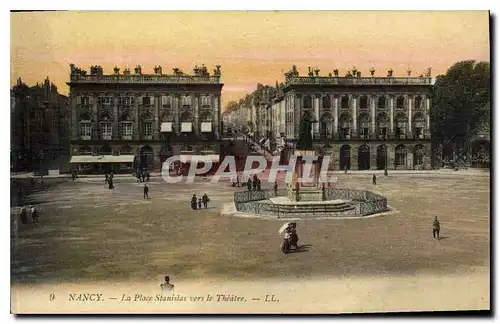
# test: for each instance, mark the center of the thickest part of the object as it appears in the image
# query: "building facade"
(362, 123)
(134, 121)
(38, 124)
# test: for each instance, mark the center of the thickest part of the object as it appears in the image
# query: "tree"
(461, 101)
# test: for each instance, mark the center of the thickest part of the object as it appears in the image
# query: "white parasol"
(283, 228)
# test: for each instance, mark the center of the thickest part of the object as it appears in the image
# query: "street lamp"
(386, 156)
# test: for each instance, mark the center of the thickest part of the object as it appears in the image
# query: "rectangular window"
(186, 127)
(85, 100)
(166, 101)
(418, 132)
(147, 129)
(106, 130)
(166, 127)
(85, 129)
(126, 101)
(146, 101)
(205, 101)
(127, 129)
(206, 127)
(186, 100)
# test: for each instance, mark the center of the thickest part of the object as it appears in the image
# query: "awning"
(166, 127)
(102, 159)
(199, 158)
(186, 127)
(206, 127)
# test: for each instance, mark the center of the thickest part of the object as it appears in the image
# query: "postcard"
(239, 162)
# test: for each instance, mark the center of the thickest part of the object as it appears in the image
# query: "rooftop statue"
(336, 72)
(116, 70)
(217, 71)
(316, 71)
(428, 74)
(389, 73)
(408, 72)
(126, 71)
(372, 71)
(310, 72)
(138, 69)
(157, 69)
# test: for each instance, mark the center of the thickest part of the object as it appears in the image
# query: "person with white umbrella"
(290, 238)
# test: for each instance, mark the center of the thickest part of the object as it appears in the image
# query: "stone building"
(38, 139)
(363, 123)
(358, 121)
(128, 121)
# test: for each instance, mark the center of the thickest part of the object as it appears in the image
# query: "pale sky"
(251, 47)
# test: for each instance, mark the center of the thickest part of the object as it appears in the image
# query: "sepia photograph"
(250, 162)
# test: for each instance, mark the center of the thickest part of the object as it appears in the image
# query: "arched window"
(401, 155)
(400, 121)
(326, 102)
(418, 125)
(325, 125)
(418, 155)
(364, 125)
(345, 126)
(382, 123)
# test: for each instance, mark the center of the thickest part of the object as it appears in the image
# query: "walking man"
(205, 201)
(146, 190)
(436, 228)
(374, 180)
(276, 188)
(34, 214)
(249, 185)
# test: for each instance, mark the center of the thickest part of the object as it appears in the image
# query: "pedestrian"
(106, 179)
(143, 177)
(436, 227)
(193, 202)
(385, 172)
(249, 185)
(73, 175)
(276, 188)
(166, 285)
(138, 175)
(110, 182)
(205, 201)
(147, 177)
(255, 182)
(374, 180)
(199, 203)
(34, 214)
(24, 216)
(146, 190)
(346, 168)
(258, 184)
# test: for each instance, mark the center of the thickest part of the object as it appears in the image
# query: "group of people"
(254, 185)
(24, 215)
(142, 176)
(197, 203)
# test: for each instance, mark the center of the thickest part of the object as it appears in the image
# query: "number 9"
(52, 297)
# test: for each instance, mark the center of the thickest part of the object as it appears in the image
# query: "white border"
(200, 5)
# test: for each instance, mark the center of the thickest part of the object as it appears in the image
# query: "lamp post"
(386, 157)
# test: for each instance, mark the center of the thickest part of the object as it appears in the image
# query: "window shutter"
(163, 100)
(152, 100)
(78, 100)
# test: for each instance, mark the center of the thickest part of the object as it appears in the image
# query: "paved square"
(88, 233)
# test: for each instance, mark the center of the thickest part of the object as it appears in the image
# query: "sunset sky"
(251, 47)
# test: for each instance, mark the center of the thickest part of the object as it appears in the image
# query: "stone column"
(427, 114)
(316, 115)
(196, 104)
(391, 114)
(373, 99)
(154, 128)
(176, 111)
(135, 130)
(95, 115)
(216, 115)
(296, 117)
(336, 115)
(409, 131)
(74, 116)
(354, 101)
(116, 118)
